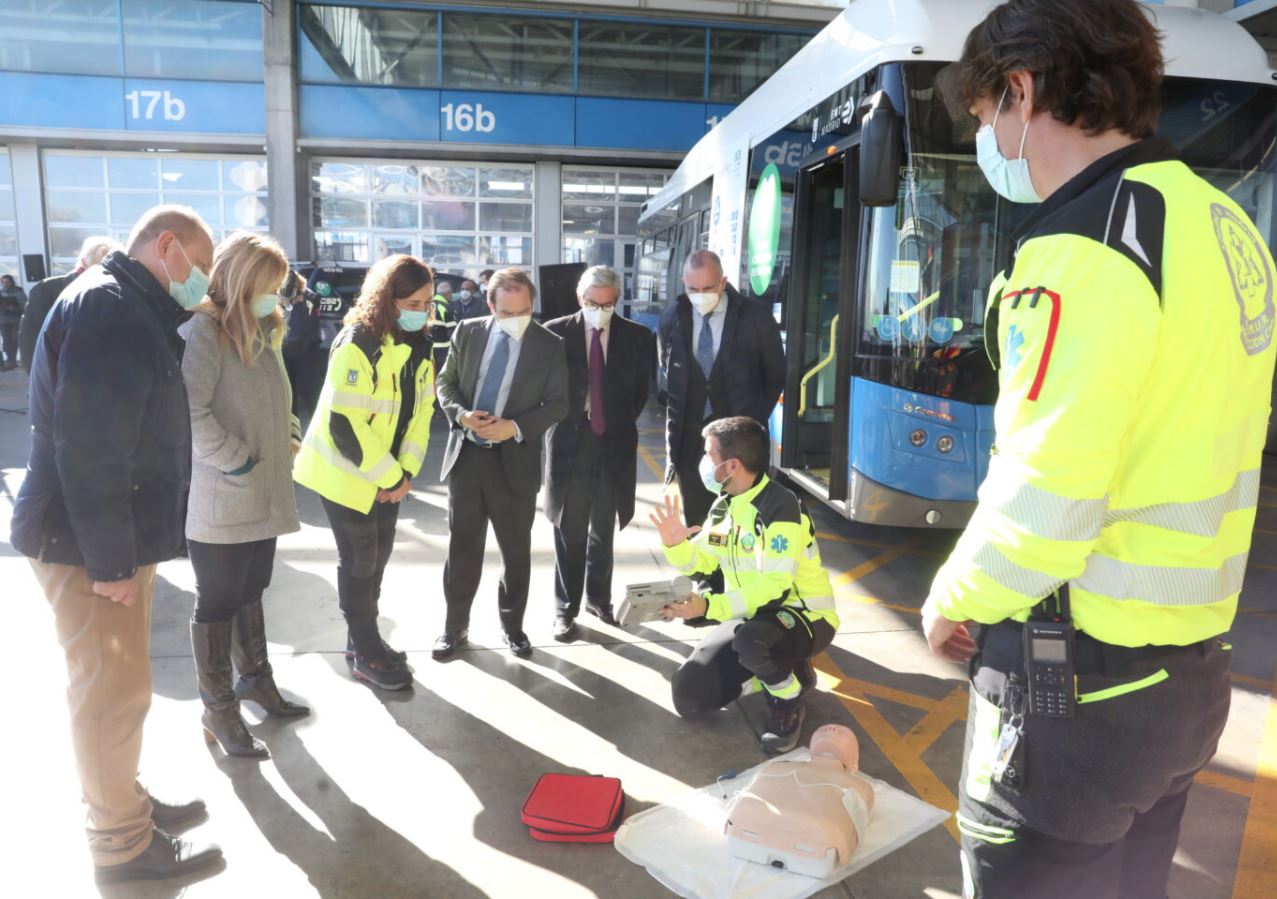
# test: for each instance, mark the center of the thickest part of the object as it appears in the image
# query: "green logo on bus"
(764, 229)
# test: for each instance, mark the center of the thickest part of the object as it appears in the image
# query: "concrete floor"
(417, 794)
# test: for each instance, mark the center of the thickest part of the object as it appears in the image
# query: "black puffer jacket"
(110, 463)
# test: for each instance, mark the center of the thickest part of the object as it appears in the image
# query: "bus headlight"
(944, 444)
(918, 437)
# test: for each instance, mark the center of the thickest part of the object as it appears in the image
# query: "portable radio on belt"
(1048, 659)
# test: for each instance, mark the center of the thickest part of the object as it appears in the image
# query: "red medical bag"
(574, 808)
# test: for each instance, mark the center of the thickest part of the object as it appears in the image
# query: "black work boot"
(390, 653)
(371, 663)
(211, 644)
(784, 723)
(169, 816)
(256, 678)
(164, 858)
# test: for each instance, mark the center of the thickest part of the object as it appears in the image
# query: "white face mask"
(597, 317)
(705, 303)
(1009, 177)
(464, 294)
(514, 326)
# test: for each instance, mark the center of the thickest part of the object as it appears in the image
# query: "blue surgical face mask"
(1009, 177)
(412, 320)
(192, 291)
(264, 304)
(708, 471)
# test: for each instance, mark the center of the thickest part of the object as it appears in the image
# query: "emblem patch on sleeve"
(352, 376)
(1252, 277)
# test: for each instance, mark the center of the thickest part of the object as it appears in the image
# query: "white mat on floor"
(683, 846)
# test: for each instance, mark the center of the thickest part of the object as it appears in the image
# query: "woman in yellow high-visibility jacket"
(367, 442)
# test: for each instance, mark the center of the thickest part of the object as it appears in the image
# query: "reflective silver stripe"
(766, 565)
(1043, 513)
(412, 448)
(1202, 518)
(736, 604)
(350, 400)
(1164, 586)
(1014, 577)
(786, 689)
(819, 603)
(330, 454)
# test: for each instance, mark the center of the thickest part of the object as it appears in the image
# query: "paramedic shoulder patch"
(786, 619)
(352, 376)
(1251, 275)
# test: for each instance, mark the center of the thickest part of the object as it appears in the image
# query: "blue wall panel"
(61, 101)
(194, 106)
(638, 124)
(372, 113)
(491, 118)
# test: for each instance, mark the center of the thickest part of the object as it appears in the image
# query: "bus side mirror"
(880, 146)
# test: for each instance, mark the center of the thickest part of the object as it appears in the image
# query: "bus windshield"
(930, 258)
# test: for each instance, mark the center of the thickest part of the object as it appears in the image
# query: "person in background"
(589, 474)
(243, 435)
(304, 360)
(469, 302)
(103, 502)
(366, 443)
(12, 301)
(442, 324)
(46, 292)
(722, 356)
(485, 277)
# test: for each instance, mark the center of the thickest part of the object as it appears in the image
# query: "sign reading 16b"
(467, 117)
(152, 104)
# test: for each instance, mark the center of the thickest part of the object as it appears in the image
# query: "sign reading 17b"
(149, 105)
(468, 117)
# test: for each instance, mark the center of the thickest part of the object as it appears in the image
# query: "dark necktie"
(487, 400)
(598, 420)
(705, 356)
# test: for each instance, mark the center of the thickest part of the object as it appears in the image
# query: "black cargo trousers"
(1091, 805)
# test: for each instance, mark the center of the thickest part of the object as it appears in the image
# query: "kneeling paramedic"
(1132, 333)
(759, 567)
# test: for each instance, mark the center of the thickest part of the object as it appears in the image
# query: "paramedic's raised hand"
(668, 520)
(948, 639)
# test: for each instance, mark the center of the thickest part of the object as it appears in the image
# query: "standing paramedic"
(1132, 332)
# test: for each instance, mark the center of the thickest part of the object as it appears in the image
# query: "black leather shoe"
(447, 644)
(166, 857)
(601, 612)
(518, 642)
(170, 816)
(564, 629)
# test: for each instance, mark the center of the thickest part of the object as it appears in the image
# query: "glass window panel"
(73, 171)
(218, 40)
(339, 178)
(627, 220)
(127, 208)
(739, 61)
(394, 214)
(245, 212)
(504, 52)
(6, 172)
(390, 244)
(246, 174)
(9, 242)
(505, 216)
(78, 37)
(6, 206)
(495, 250)
(444, 181)
(66, 241)
(625, 59)
(637, 187)
(209, 206)
(509, 183)
(447, 215)
(189, 174)
(630, 252)
(588, 219)
(588, 250)
(448, 252)
(339, 212)
(588, 184)
(76, 206)
(369, 46)
(341, 246)
(392, 179)
(132, 171)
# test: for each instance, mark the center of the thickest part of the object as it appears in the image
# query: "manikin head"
(834, 744)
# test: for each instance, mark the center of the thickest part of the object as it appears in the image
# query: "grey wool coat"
(238, 413)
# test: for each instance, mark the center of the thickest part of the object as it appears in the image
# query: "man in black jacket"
(721, 355)
(46, 293)
(590, 455)
(103, 502)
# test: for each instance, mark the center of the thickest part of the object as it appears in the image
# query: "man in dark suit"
(504, 385)
(722, 356)
(591, 453)
(46, 293)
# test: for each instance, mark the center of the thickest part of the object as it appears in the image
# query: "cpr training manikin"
(804, 816)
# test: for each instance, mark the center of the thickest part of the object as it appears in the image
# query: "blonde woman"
(243, 437)
(366, 443)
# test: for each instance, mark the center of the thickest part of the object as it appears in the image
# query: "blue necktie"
(496, 374)
(705, 356)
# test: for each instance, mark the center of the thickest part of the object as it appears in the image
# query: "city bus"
(845, 194)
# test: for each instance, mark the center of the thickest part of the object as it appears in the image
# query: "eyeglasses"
(588, 305)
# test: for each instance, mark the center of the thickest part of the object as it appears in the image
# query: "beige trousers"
(107, 649)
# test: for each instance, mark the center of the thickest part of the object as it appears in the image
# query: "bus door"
(819, 327)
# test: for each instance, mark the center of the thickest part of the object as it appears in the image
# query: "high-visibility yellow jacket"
(376, 396)
(764, 545)
(443, 324)
(1134, 342)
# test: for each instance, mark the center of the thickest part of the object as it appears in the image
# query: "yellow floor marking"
(948, 711)
(865, 599)
(875, 544)
(913, 700)
(1257, 866)
(865, 567)
(1262, 566)
(1250, 681)
(1225, 782)
(915, 772)
(650, 461)
(1266, 530)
